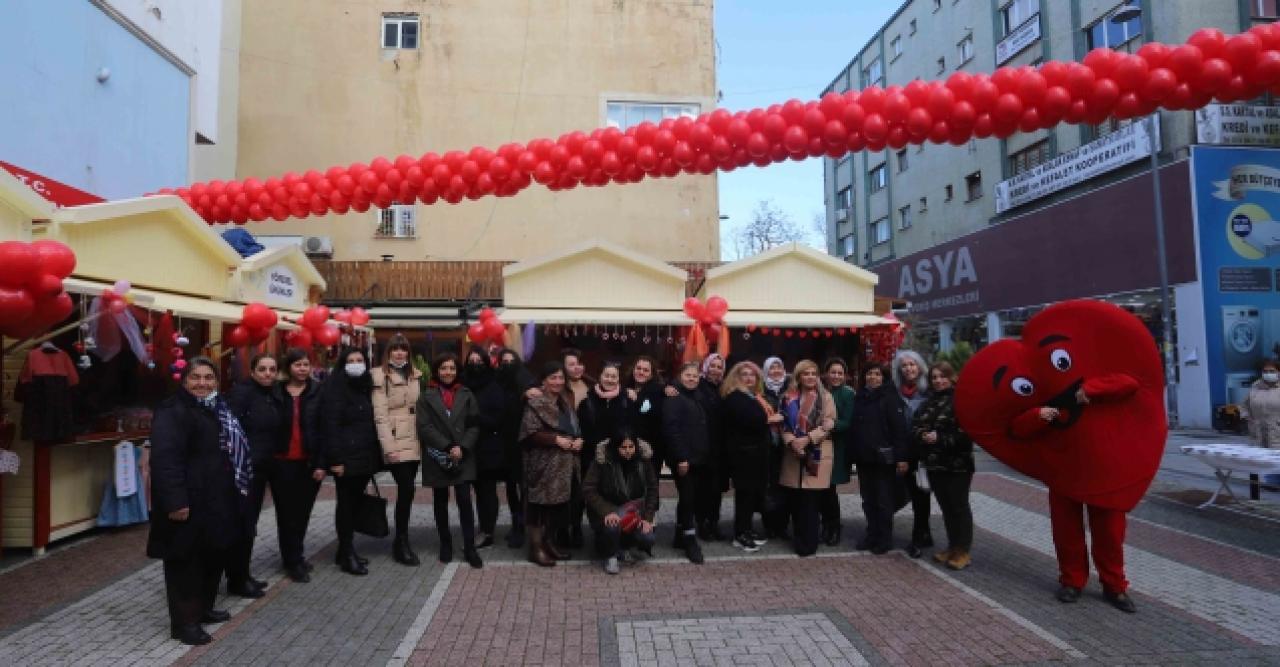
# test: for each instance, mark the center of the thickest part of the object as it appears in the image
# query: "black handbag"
(370, 516)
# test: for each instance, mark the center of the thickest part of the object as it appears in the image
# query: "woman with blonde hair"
(397, 386)
(748, 422)
(809, 417)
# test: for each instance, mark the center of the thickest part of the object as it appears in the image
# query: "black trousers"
(487, 502)
(466, 515)
(802, 504)
(829, 508)
(952, 489)
(405, 474)
(610, 541)
(240, 553)
(875, 483)
(776, 515)
(920, 532)
(349, 488)
(707, 494)
(746, 503)
(191, 585)
(686, 487)
(294, 493)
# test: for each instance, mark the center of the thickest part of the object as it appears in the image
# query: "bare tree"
(769, 228)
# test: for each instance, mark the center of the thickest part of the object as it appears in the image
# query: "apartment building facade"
(977, 238)
(352, 81)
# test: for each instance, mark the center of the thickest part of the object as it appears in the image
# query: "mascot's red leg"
(1067, 517)
(1107, 526)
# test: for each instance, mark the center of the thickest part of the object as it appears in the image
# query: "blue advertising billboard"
(1237, 209)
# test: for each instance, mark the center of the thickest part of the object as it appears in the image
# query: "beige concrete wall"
(218, 160)
(317, 89)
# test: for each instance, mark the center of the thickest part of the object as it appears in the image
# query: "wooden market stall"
(177, 264)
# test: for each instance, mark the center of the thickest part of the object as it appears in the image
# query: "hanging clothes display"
(44, 389)
(123, 501)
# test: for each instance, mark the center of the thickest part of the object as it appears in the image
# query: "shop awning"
(414, 317)
(801, 320)
(185, 306)
(592, 316)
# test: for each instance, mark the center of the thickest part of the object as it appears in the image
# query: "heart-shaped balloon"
(1104, 452)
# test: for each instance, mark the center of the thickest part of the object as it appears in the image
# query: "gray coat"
(441, 429)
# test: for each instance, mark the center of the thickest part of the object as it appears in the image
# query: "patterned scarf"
(799, 412)
(233, 441)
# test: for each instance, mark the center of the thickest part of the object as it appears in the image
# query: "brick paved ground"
(1205, 582)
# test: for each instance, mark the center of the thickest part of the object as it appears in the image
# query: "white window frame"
(847, 248)
(1105, 23)
(398, 221)
(844, 199)
(399, 21)
(903, 163)
(874, 67)
(1259, 9)
(895, 47)
(904, 217)
(965, 49)
(1016, 13)
(622, 114)
(880, 232)
(878, 178)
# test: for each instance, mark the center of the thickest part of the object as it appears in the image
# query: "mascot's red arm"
(1112, 387)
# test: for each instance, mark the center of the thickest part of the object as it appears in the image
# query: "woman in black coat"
(748, 421)
(685, 426)
(448, 427)
(711, 491)
(351, 448)
(879, 446)
(647, 392)
(258, 407)
(515, 381)
(200, 478)
(300, 468)
(491, 468)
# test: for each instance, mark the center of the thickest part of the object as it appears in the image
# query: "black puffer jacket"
(612, 482)
(263, 416)
(684, 423)
(346, 425)
(308, 420)
(879, 430)
(600, 419)
(189, 469)
(491, 402)
(646, 417)
(747, 441)
(953, 451)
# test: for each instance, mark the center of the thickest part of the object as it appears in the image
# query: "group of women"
(563, 443)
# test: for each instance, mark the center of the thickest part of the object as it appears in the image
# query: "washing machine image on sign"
(1242, 338)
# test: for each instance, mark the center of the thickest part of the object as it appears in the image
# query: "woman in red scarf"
(448, 426)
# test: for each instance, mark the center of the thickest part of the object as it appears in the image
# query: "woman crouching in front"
(621, 495)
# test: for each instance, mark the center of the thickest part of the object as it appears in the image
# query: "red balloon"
(1104, 96)
(1210, 41)
(53, 257)
(315, 316)
(1008, 108)
(835, 133)
(757, 144)
(942, 102)
(258, 316)
(1186, 61)
(476, 332)
(1215, 75)
(872, 99)
(962, 84)
(1266, 72)
(237, 337)
(919, 122)
(874, 128)
(46, 286)
(1161, 83)
(738, 132)
(1032, 86)
(985, 94)
(300, 338)
(896, 107)
(1102, 61)
(16, 305)
(1131, 73)
(1056, 102)
(495, 330)
(694, 308)
(717, 307)
(328, 336)
(853, 116)
(796, 139)
(19, 263)
(963, 115)
(814, 120)
(359, 316)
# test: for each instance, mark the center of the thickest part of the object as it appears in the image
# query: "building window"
(949, 193)
(1264, 9)
(973, 185)
(843, 162)
(904, 217)
(902, 160)
(937, 4)
(1018, 12)
(846, 246)
(396, 222)
(844, 200)
(873, 74)
(924, 204)
(895, 45)
(1028, 158)
(965, 48)
(399, 31)
(1113, 35)
(912, 27)
(942, 65)
(623, 115)
(880, 231)
(878, 178)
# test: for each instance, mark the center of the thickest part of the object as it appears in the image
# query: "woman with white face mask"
(351, 449)
(1262, 410)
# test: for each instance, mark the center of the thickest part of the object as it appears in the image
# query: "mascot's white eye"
(1060, 360)
(1022, 386)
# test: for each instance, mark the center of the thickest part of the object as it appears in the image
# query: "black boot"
(515, 537)
(349, 563)
(473, 558)
(191, 635)
(402, 552)
(575, 536)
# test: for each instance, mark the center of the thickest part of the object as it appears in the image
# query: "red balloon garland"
(31, 294)
(1107, 84)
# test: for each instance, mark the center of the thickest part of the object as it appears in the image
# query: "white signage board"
(1022, 36)
(1238, 125)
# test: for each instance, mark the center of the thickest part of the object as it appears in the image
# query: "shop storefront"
(187, 286)
(1099, 245)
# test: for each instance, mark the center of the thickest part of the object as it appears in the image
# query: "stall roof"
(153, 242)
(793, 279)
(291, 255)
(593, 316)
(185, 306)
(22, 200)
(803, 319)
(594, 276)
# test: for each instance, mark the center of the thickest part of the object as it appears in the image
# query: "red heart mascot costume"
(1078, 404)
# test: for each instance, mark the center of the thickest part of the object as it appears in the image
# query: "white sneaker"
(745, 543)
(611, 565)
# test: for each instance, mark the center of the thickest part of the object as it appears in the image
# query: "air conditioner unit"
(842, 214)
(318, 246)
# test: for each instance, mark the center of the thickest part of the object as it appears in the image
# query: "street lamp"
(1125, 14)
